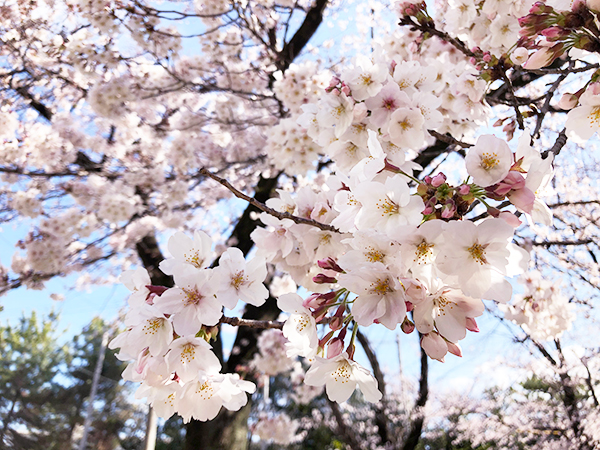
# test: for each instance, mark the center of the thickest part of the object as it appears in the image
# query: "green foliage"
(44, 387)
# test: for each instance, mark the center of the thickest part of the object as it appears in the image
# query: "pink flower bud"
(472, 60)
(568, 101)
(523, 199)
(329, 264)
(448, 210)
(323, 279)
(313, 301)
(438, 180)
(464, 189)
(454, 349)
(335, 347)
(541, 58)
(333, 83)
(512, 181)
(487, 57)
(346, 89)
(472, 325)
(335, 92)
(325, 339)
(407, 326)
(510, 219)
(336, 323)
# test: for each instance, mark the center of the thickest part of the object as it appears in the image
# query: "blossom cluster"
(542, 310)
(168, 329)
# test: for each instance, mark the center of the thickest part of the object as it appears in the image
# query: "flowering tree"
(115, 127)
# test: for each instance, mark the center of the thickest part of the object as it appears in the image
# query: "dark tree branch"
(296, 44)
(416, 426)
(429, 28)
(380, 415)
(259, 324)
(35, 104)
(560, 142)
(261, 206)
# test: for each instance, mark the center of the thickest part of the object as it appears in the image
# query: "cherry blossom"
(341, 376)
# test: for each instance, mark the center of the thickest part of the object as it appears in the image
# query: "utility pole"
(151, 426)
(400, 371)
(95, 380)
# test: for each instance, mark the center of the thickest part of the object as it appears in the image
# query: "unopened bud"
(472, 325)
(336, 323)
(329, 264)
(323, 279)
(407, 326)
(438, 180)
(454, 349)
(465, 189)
(335, 347)
(448, 210)
(568, 101)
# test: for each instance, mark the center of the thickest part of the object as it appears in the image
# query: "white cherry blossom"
(341, 376)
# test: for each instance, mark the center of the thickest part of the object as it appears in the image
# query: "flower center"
(194, 259)
(477, 252)
(238, 280)
(205, 390)
(152, 325)
(342, 373)
(389, 103)
(366, 80)
(594, 115)
(388, 207)
(302, 322)
(442, 302)
(373, 255)
(424, 252)
(188, 353)
(405, 124)
(489, 161)
(192, 297)
(381, 287)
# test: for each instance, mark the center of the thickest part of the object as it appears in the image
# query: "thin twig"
(513, 99)
(265, 208)
(260, 324)
(560, 142)
(546, 105)
(431, 29)
(449, 139)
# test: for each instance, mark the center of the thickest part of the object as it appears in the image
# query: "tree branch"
(265, 208)
(250, 323)
(416, 426)
(380, 415)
